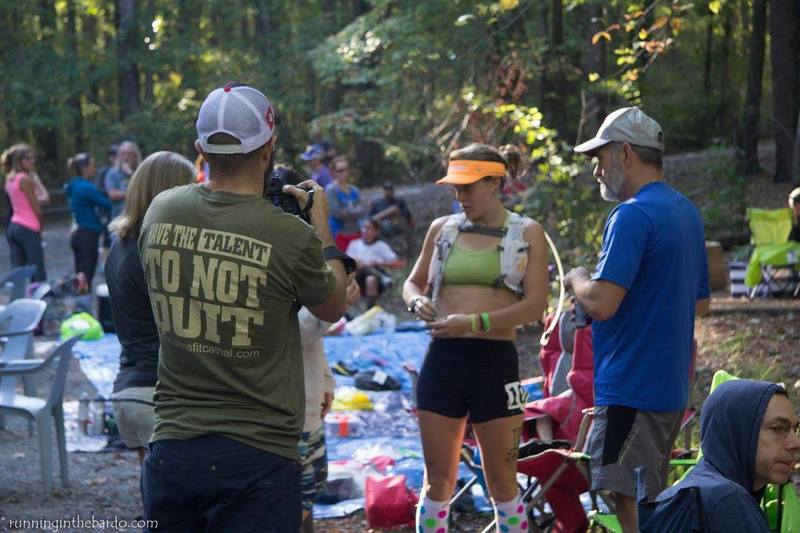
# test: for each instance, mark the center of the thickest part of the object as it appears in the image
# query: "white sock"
(432, 516)
(510, 516)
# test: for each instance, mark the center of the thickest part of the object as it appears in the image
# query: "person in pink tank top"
(25, 194)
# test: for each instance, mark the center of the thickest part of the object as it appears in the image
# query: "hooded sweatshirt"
(84, 196)
(729, 431)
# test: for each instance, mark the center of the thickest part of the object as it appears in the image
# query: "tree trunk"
(128, 70)
(74, 99)
(558, 103)
(150, 12)
(783, 15)
(47, 138)
(708, 52)
(725, 107)
(592, 102)
(748, 155)
(553, 82)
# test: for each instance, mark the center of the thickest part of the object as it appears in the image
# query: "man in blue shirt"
(650, 281)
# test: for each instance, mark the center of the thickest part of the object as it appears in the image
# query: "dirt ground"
(759, 339)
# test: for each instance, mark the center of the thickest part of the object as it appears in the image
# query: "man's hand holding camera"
(318, 212)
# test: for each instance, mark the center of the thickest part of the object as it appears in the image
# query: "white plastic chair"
(44, 412)
(17, 323)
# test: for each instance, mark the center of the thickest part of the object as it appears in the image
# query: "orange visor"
(464, 172)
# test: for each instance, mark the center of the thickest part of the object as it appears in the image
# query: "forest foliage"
(397, 85)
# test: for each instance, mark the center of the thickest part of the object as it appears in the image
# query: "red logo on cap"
(270, 116)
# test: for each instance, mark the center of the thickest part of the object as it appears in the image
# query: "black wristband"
(332, 252)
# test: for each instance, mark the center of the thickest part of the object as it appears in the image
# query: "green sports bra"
(472, 268)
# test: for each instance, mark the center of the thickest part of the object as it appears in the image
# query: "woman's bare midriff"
(468, 300)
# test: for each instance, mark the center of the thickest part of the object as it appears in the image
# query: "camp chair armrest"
(25, 331)
(682, 462)
(20, 366)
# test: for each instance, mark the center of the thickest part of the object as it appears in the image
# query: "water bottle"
(96, 410)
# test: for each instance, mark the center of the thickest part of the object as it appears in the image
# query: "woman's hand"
(451, 326)
(424, 308)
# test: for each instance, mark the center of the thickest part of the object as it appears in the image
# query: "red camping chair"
(557, 470)
(567, 362)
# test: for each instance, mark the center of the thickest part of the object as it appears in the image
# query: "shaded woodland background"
(397, 84)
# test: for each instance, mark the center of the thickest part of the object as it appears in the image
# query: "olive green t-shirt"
(227, 274)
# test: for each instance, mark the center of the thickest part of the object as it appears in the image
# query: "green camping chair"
(773, 253)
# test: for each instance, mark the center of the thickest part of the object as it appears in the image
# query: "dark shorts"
(213, 483)
(622, 439)
(384, 279)
(475, 376)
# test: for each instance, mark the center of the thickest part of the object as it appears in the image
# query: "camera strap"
(309, 203)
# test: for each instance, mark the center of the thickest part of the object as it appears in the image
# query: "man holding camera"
(227, 272)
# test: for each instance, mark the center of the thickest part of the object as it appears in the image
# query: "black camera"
(273, 191)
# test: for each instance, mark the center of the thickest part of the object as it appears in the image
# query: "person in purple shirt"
(318, 171)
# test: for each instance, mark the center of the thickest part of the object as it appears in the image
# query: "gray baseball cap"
(627, 125)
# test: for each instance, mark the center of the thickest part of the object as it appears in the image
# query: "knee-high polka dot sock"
(432, 516)
(511, 517)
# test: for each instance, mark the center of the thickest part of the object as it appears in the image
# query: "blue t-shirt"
(116, 180)
(653, 245)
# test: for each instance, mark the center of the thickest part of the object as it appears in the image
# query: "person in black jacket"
(130, 302)
(749, 434)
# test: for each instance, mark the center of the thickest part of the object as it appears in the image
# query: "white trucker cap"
(240, 111)
(627, 125)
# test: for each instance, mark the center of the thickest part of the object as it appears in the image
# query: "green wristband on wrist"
(473, 321)
(486, 323)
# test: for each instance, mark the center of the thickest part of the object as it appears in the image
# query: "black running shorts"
(478, 377)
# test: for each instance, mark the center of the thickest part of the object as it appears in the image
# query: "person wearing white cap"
(227, 272)
(794, 205)
(650, 281)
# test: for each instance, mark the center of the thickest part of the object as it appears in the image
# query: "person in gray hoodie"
(749, 434)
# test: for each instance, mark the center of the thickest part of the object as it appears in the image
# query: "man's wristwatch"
(332, 252)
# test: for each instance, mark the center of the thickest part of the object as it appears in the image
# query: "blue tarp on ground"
(390, 430)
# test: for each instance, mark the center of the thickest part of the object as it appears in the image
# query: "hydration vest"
(513, 252)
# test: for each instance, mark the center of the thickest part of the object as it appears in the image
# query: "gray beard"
(608, 194)
(615, 179)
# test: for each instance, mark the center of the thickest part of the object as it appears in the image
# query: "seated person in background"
(391, 213)
(794, 203)
(749, 436)
(373, 257)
